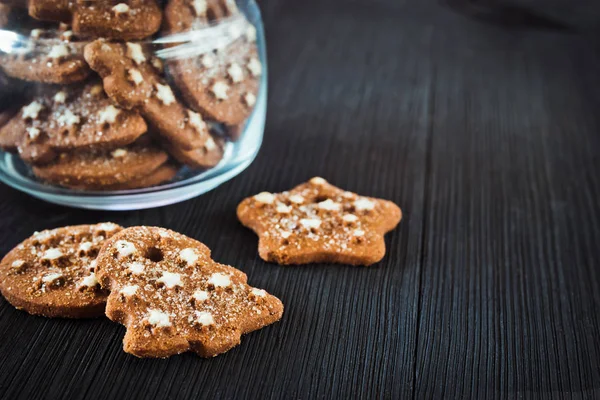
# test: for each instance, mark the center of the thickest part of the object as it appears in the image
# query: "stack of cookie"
(163, 286)
(105, 113)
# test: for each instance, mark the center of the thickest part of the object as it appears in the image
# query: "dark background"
(484, 129)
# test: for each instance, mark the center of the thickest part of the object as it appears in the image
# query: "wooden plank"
(509, 304)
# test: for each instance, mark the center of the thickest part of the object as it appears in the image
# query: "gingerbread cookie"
(52, 57)
(134, 83)
(53, 272)
(104, 167)
(172, 297)
(71, 118)
(318, 222)
(162, 174)
(126, 20)
(207, 156)
(223, 84)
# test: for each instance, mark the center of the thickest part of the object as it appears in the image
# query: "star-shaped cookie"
(172, 297)
(318, 222)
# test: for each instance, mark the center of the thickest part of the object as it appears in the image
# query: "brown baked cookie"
(125, 20)
(71, 118)
(204, 157)
(52, 57)
(318, 222)
(53, 272)
(133, 83)
(172, 297)
(223, 84)
(162, 174)
(104, 167)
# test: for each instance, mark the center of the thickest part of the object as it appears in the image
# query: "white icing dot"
(250, 99)
(259, 292)
(32, 110)
(119, 153)
(108, 114)
(121, 8)
(89, 281)
(96, 90)
(165, 94)
(67, 118)
(329, 205)
(85, 246)
(235, 72)
(135, 76)
(285, 234)
(200, 295)
(200, 7)
(135, 52)
(208, 60)
(317, 180)
(210, 144)
(158, 318)
(170, 279)
(255, 67)
(358, 232)
(136, 268)
(129, 290)
(205, 318)
(52, 254)
(106, 226)
(251, 33)
(17, 264)
(59, 51)
(220, 89)
(296, 198)
(219, 280)
(265, 197)
(49, 278)
(125, 248)
(33, 133)
(35, 33)
(283, 209)
(60, 97)
(67, 36)
(363, 204)
(350, 218)
(196, 121)
(189, 255)
(310, 223)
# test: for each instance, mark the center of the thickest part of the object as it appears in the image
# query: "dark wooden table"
(487, 136)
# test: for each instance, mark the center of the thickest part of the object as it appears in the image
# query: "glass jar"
(154, 100)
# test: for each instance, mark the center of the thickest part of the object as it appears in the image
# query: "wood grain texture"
(488, 139)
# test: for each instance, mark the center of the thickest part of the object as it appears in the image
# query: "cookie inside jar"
(184, 86)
